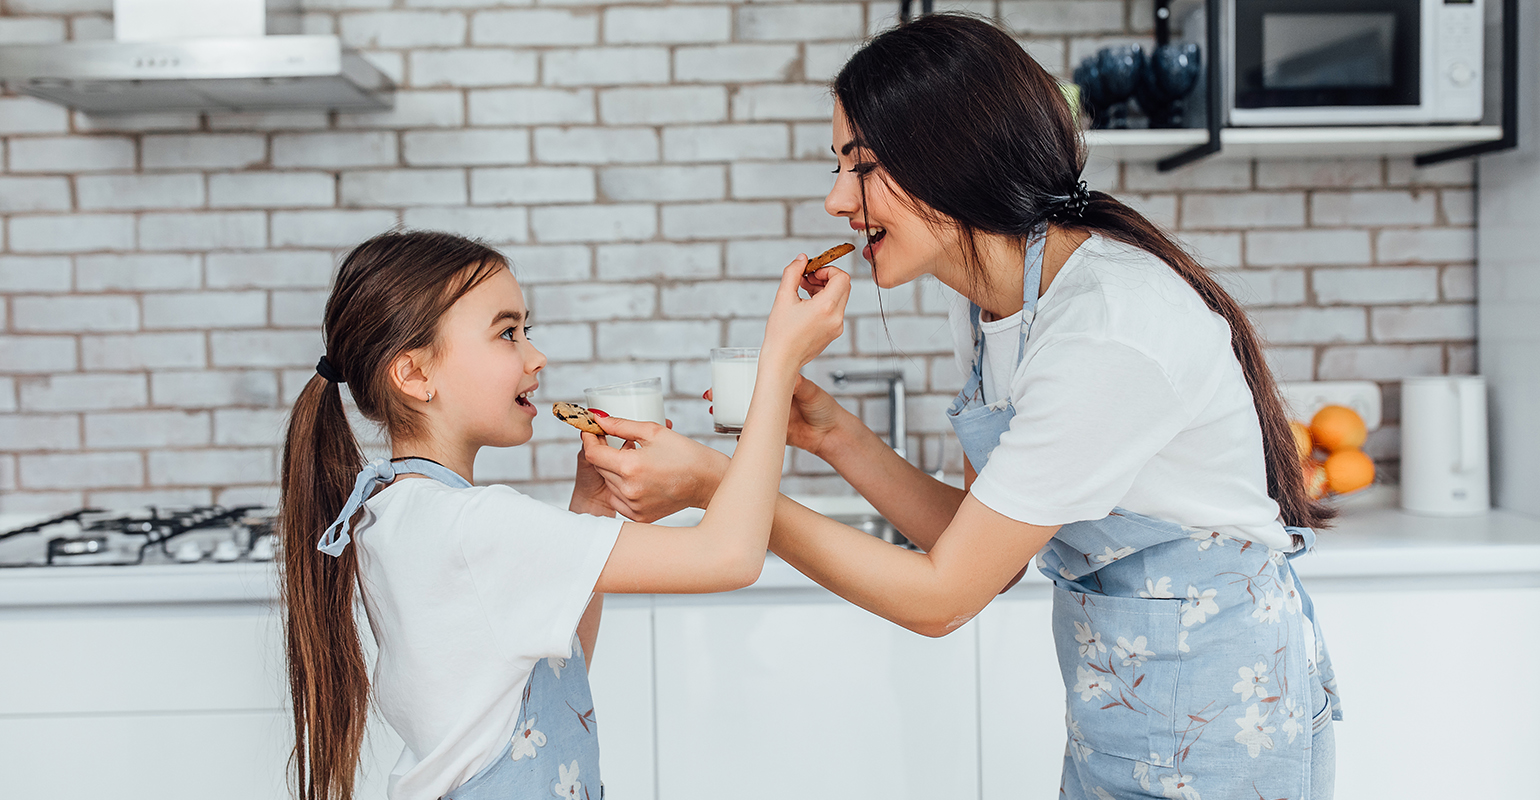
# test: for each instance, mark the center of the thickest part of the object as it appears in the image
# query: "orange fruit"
(1338, 428)
(1302, 440)
(1315, 479)
(1348, 471)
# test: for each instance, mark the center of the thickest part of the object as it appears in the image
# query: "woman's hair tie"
(325, 369)
(1071, 205)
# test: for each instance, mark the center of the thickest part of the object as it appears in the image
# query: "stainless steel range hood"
(192, 55)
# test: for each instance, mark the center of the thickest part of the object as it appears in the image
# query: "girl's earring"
(430, 397)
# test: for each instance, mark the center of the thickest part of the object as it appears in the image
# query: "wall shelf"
(1289, 143)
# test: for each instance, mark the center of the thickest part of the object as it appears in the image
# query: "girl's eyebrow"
(513, 317)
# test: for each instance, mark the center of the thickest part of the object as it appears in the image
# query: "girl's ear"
(408, 373)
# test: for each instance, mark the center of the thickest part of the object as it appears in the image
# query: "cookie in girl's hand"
(578, 417)
(823, 259)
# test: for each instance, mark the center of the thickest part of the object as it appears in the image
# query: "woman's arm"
(931, 593)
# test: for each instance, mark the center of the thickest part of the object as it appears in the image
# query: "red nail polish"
(703, 394)
(710, 409)
(597, 412)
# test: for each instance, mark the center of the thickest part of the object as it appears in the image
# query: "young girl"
(474, 593)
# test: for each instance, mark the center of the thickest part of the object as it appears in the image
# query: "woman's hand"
(590, 495)
(657, 473)
(802, 328)
(814, 415)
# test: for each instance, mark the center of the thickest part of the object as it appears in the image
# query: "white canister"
(1444, 445)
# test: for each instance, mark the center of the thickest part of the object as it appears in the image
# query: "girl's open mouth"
(522, 401)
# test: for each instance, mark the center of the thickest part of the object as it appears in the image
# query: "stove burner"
(94, 537)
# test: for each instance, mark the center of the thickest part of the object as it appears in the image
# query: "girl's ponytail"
(328, 680)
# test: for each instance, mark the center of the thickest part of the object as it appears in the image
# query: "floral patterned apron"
(1183, 651)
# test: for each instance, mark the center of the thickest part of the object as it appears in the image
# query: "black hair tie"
(324, 369)
(1071, 205)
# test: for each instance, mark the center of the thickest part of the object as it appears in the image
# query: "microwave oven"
(1354, 62)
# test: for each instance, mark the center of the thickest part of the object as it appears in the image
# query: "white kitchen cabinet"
(1021, 713)
(621, 681)
(803, 695)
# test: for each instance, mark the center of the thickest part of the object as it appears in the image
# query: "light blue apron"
(554, 750)
(1182, 650)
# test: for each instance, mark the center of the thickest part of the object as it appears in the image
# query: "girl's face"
(909, 245)
(486, 366)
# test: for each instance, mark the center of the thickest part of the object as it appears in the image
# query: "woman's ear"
(409, 374)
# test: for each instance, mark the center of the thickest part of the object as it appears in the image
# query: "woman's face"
(487, 366)
(909, 246)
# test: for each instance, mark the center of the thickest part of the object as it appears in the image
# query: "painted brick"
(1049, 51)
(465, 148)
(792, 179)
(657, 338)
(669, 24)
(592, 301)
(545, 263)
(663, 183)
(1306, 247)
(216, 467)
(94, 392)
(1458, 283)
(1380, 362)
(794, 102)
(139, 498)
(545, 27)
(1423, 323)
(74, 233)
(334, 150)
(182, 310)
(37, 30)
(628, 262)
(1343, 174)
(810, 218)
(137, 123)
(34, 194)
(328, 228)
(1462, 359)
(268, 120)
(495, 225)
(605, 66)
(1403, 172)
(204, 151)
(266, 348)
(1251, 210)
(564, 344)
(721, 220)
(81, 470)
(147, 429)
(250, 426)
(719, 299)
(1269, 287)
(1063, 16)
(480, 67)
(81, 313)
(31, 115)
(7, 395)
(800, 21)
(905, 335)
(811, 140)
(23, 432)
(401, 187)
(1291, 363)
(1376, 285)
(204, 231)
(73, 154)
(1310, 325)
(126, 192)
(663, 105)
(724, 142)
(821, 62)
(1140, 176)
(603, 223)
(143, 351)
(1425, 245)
(532, 185)
(21, 354)
(269, 269)
(298, 309)
(533, 107)
(1458, 206)
(272, 190)
(34, 273)
(1157, 208)
(403, 29)
(735, 63)
(595, 145)
(213, 389)
(58, 6)
(570, 380)
(415, 109)
(496, 464)
(137, 272)
(1372, 208)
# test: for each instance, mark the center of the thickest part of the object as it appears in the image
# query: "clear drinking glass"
(732, 386)
(639, 400)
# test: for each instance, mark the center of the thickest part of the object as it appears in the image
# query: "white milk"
(732, 386)
(637, 400)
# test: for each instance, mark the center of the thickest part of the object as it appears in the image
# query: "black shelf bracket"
(1215, 94)
(1510, 99)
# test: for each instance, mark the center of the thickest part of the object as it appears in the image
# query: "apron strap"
(380, 471)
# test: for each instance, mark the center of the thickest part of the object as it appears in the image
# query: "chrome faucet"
(898, 434)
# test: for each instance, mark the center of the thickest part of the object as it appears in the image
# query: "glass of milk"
(732, 386)
(637, 400)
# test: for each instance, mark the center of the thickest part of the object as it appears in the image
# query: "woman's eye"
(864, 167)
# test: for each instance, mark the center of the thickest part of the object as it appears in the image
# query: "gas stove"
(92, 537)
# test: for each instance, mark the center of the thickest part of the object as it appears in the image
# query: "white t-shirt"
(466, 590)
(1129, 395)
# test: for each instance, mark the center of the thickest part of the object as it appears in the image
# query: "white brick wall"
(649, 168)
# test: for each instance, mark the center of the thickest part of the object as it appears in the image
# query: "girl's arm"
(588, 628)
(726, 550)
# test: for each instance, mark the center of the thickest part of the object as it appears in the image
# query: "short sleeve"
(534, 567)
(1090, 414)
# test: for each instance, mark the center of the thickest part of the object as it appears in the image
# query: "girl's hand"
(814, 415)
(800, 328)
(657, 473)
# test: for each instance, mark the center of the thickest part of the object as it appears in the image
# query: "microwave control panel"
(1457, 85)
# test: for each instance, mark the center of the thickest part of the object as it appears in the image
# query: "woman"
(1117, 416)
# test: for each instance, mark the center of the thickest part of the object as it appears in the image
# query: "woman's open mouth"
(874, 236)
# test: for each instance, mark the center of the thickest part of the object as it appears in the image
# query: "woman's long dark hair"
(981, 140)
(389, 297)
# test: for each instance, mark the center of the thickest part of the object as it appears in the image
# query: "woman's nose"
(844, 199)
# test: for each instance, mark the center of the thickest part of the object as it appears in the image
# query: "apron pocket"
(1119, 659)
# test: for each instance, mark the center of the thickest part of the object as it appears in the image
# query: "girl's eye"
(527, 329)
(508, 333)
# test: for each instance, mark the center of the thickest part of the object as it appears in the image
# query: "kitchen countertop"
(1372, 539)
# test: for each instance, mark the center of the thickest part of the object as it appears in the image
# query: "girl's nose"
(538, 362)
